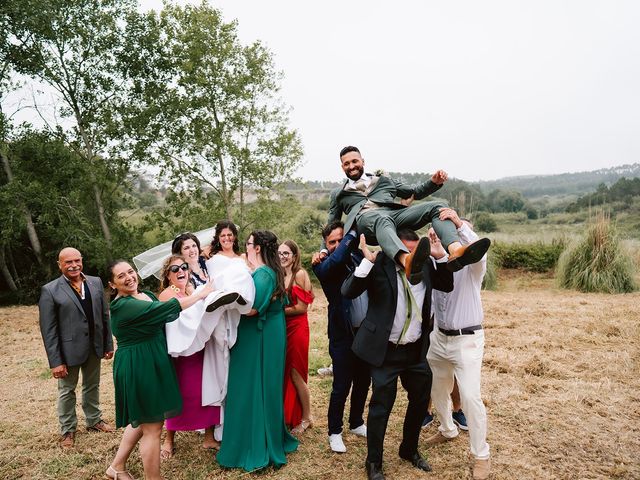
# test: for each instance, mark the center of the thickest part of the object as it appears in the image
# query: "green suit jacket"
(383, 194)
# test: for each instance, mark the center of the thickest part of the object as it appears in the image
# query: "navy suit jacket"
(331, 272)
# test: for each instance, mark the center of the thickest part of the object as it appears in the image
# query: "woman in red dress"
(297, 400)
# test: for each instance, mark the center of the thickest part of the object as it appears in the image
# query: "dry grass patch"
(561, 384)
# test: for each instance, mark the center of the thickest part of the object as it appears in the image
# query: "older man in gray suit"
(74, 321)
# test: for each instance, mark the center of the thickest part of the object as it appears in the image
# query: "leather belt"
(462, 331)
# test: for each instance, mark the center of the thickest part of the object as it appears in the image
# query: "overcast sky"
(482, 89)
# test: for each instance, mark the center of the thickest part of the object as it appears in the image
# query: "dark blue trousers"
(349, 374)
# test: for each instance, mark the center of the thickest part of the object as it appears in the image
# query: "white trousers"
(459, 356)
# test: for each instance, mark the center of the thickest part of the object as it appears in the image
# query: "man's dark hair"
(408, 235)
(327, 229)
(347, 149)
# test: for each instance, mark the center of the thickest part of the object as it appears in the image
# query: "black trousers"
(400, 361)
(349, 374)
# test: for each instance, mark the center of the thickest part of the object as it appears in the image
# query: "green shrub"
(490, 280)
(484, 222)
(597, 263)
(534, 257)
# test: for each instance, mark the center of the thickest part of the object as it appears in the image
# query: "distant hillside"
(565, 185)
(579, 183)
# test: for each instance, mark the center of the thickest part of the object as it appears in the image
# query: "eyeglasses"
(177, 268)
(284, 254)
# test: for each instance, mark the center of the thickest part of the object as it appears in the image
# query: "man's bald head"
(70, 263)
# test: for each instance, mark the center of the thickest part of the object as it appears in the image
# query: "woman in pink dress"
(176, 283)
(297, 400)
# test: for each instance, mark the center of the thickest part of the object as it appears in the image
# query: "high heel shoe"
(302, 427)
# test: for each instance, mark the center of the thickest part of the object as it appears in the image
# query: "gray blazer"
(64, 326)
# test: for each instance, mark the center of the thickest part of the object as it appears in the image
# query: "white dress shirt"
(462, 307)
(414, 330)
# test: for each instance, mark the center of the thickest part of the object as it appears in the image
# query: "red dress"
(297, 355)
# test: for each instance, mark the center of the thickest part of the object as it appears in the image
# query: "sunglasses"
(177, 268)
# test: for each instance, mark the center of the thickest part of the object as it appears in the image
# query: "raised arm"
(467, 236)
(359, 280)
(337, 260)
(422, 190)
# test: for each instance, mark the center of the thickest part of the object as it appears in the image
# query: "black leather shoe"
(415, 261)
(418, 462)
(374, 471)
(225, 299)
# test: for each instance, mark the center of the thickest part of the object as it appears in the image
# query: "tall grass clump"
(598, 263)
(490, 280)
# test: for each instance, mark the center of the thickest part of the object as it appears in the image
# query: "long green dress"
(144, 378)
(254, 434)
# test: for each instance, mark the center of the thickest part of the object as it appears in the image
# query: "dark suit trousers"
(400, 361)
(349, 373)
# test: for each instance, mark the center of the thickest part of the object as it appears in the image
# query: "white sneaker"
(361, 431)
(336, 443)
(326, 371)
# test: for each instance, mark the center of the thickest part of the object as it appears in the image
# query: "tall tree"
(212, 115)
(74, 46)
(6, 86)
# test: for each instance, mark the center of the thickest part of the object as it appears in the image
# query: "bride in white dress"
(215, 331)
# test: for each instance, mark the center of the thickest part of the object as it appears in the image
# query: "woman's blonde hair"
(164, 273)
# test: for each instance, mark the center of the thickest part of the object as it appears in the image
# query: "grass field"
(561, 382)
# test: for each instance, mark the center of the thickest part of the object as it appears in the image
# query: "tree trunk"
(11, 263)
(223, 188)
(106, 231)
(97, 194)
(28, 219)
(5, 272)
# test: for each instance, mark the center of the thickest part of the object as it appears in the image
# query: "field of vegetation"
(561, 383)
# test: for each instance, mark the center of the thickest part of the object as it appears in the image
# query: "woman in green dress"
(254, 434)
(144, 378)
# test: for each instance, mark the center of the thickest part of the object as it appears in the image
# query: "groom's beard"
(355, 174)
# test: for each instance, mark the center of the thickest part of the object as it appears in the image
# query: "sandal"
(167, 453)
(113, 473)
(304, 425)
(215, 446)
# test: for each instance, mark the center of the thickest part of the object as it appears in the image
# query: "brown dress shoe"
(68, 440)
(102, 426)
(481, 469)
(438, 438)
